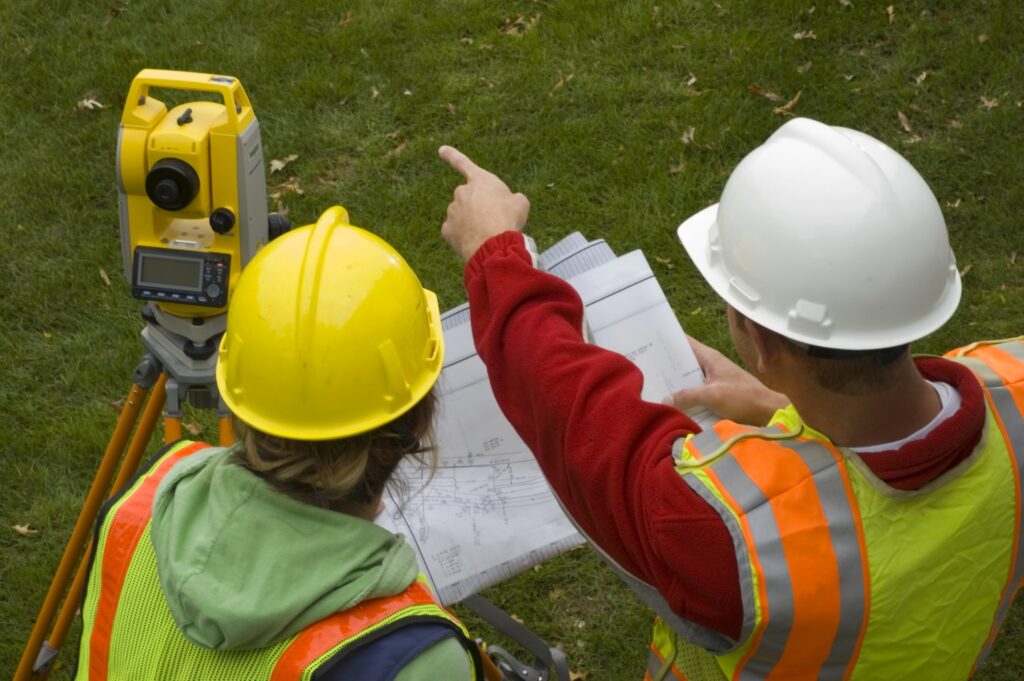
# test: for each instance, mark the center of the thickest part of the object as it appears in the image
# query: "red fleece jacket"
(607, 453)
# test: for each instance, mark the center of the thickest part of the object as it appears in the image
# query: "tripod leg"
(142, 437)
(82, 529)
(226, 432)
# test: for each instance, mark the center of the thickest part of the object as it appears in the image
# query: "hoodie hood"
(244, 566)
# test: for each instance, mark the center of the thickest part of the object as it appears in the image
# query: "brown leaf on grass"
(279, 164)
(805, 35)
(804, 68)
(396, 151)
(664, 261)
(956, 123)
(989, 103)
(676, 169)
(374, 93)
(954, 204)
(348, 20)
(289, 186)
(576, 676)
(919, 78)
(561, 83)
(450, 107)
(104, 276)
(786, 109)
(193, 427)
(516, 617)
(88, 103)
(845, 3)
(692, 79)
(556, 593)
(904, 122)
(520, 25)
(24, 530)
(1013, 258)
(983, 38)
(767, 94)
(965, 271)
(47, 334)
(891, 12)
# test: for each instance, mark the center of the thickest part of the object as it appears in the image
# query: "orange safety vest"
(841, 576)
(114, 642)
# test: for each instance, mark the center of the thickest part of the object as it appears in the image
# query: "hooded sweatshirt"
(243, 566)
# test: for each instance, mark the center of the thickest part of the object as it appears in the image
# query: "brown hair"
(848, 372)
(344, 473)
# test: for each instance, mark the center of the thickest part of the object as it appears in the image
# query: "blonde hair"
(351, 471)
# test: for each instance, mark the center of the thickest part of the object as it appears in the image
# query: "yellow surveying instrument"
(192, 208)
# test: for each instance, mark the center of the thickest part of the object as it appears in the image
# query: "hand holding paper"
(729, 391)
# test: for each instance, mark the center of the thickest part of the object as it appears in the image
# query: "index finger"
(461, 163)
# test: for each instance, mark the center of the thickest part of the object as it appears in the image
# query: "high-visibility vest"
(129, 633)
(843, 577)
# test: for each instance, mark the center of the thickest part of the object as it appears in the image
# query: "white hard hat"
(828, 237)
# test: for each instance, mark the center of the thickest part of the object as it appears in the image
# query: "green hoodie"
(244, 566)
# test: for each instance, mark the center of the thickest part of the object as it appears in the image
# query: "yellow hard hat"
(329, 334)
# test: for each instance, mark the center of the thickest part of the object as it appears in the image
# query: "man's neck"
(907, 404)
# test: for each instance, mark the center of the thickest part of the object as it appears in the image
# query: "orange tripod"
(172, 363)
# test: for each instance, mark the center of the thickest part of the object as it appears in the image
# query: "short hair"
(345, 471)
(847, 372)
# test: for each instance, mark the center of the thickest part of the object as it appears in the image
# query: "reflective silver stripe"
(836, 505)
(1015, 348)
(778, 585)
(842, 526)
(1013, 423)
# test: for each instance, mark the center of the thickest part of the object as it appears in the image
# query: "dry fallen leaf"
(767, 94)
(965, 271)
(193, 427)
(983, 38)
(954, 204)
(279, 164)
(692, 79)
(561, 83)
(989, 103)
(24, 530)
(904, 122)
(347, 21)
(47, 334)
(891, 11)
(104, 277)
(676, 169)
(805, 35)
(451, 107)
(516, 617)
(845, 3)
(375, 93)
(520, 25)
(919, 78)
(804, 68)
(556, 593)
(786, 109)
(664, 261)
(1013, 257)
(407, 92)
(956, 123)
(88, 103)
(289, 186)
(576, 676)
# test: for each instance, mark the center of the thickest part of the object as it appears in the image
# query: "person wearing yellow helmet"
(261, 560)
(856, 513)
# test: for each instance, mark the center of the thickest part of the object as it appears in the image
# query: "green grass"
(603, 152)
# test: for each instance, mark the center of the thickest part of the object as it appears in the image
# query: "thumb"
(459, 162)
(688, 398)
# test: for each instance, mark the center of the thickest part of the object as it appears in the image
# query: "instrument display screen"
(170, 271)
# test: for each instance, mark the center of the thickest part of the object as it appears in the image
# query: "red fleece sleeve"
(605, 451)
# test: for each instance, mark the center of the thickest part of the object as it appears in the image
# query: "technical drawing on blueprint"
(487, 513)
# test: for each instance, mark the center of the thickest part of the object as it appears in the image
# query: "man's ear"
(766, 344)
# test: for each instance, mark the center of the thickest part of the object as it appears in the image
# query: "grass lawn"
(618, 118)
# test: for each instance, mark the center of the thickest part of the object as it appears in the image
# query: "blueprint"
(487, 514)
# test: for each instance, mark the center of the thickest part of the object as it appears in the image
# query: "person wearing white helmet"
(856, 511)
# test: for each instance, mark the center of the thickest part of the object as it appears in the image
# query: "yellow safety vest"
(843, 577)
(129, 633)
